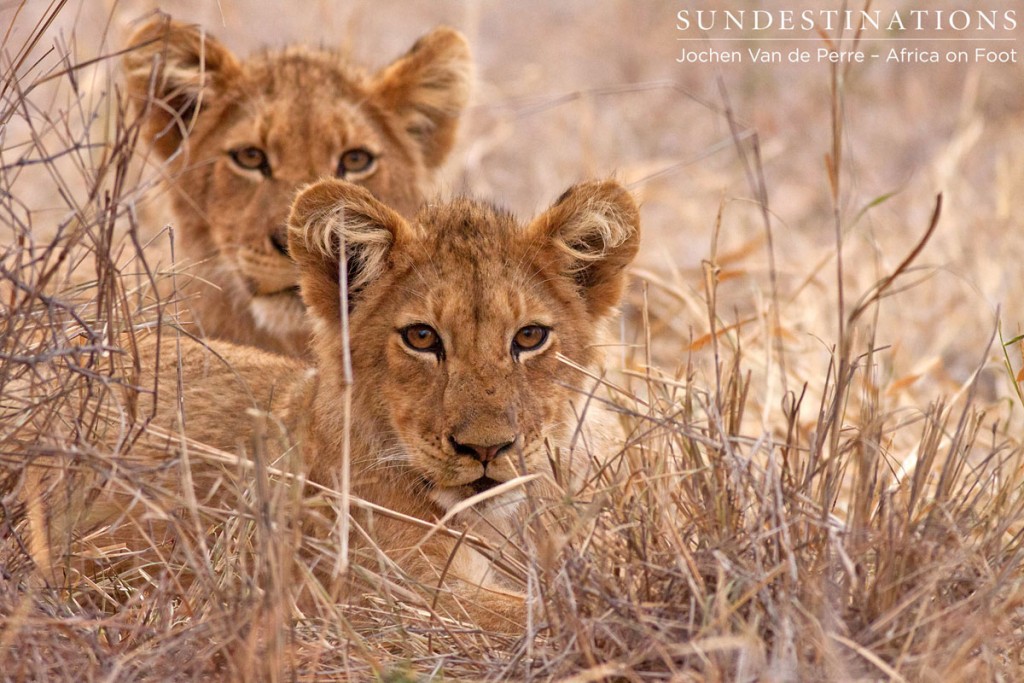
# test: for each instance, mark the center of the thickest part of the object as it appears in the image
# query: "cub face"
(242, 136)
(457, 321)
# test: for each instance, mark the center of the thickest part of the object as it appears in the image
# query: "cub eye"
(355, 161)
(422, 338)
(251, 159)
(529, 338)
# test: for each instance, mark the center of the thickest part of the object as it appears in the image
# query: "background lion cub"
(242, 135)
(460, 325)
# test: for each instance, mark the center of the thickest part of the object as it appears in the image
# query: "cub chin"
(241, 136)
(447, 356)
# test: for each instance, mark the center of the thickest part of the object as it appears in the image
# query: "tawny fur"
(476, 276)
(303, 109)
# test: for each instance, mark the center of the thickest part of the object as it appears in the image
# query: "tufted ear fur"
(596, 227)
(332, 215)
(427, 89)
(170, 69)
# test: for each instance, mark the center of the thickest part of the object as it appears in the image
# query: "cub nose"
(481, 453)
(279, 239)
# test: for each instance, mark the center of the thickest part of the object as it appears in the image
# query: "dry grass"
(823, 474)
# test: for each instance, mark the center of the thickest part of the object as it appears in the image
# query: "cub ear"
(427, 89)
(595, 226)
(170, 69)
(332, 218)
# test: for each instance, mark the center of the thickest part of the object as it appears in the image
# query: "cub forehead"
(470, 246)
(289, 98)
(471, 262)
(469, 232)
(311, 75)
(469, 287)
(292, 122)
(460, 305)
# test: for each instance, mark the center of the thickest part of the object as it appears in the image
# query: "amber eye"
(529, 338)
(422, 338)
(356, 161)
(251, 159)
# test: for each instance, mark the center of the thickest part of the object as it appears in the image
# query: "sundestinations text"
(848, 20)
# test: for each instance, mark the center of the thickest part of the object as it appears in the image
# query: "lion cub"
(463, 327)
(241, 136)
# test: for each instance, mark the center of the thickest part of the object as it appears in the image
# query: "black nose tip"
(481, 453)
(280, 241)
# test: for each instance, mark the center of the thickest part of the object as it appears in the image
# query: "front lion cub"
(463, 328)
(241, 136)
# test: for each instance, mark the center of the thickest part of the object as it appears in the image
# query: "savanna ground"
(823, 479)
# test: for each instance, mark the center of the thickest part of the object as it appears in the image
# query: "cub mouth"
(482, 484)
